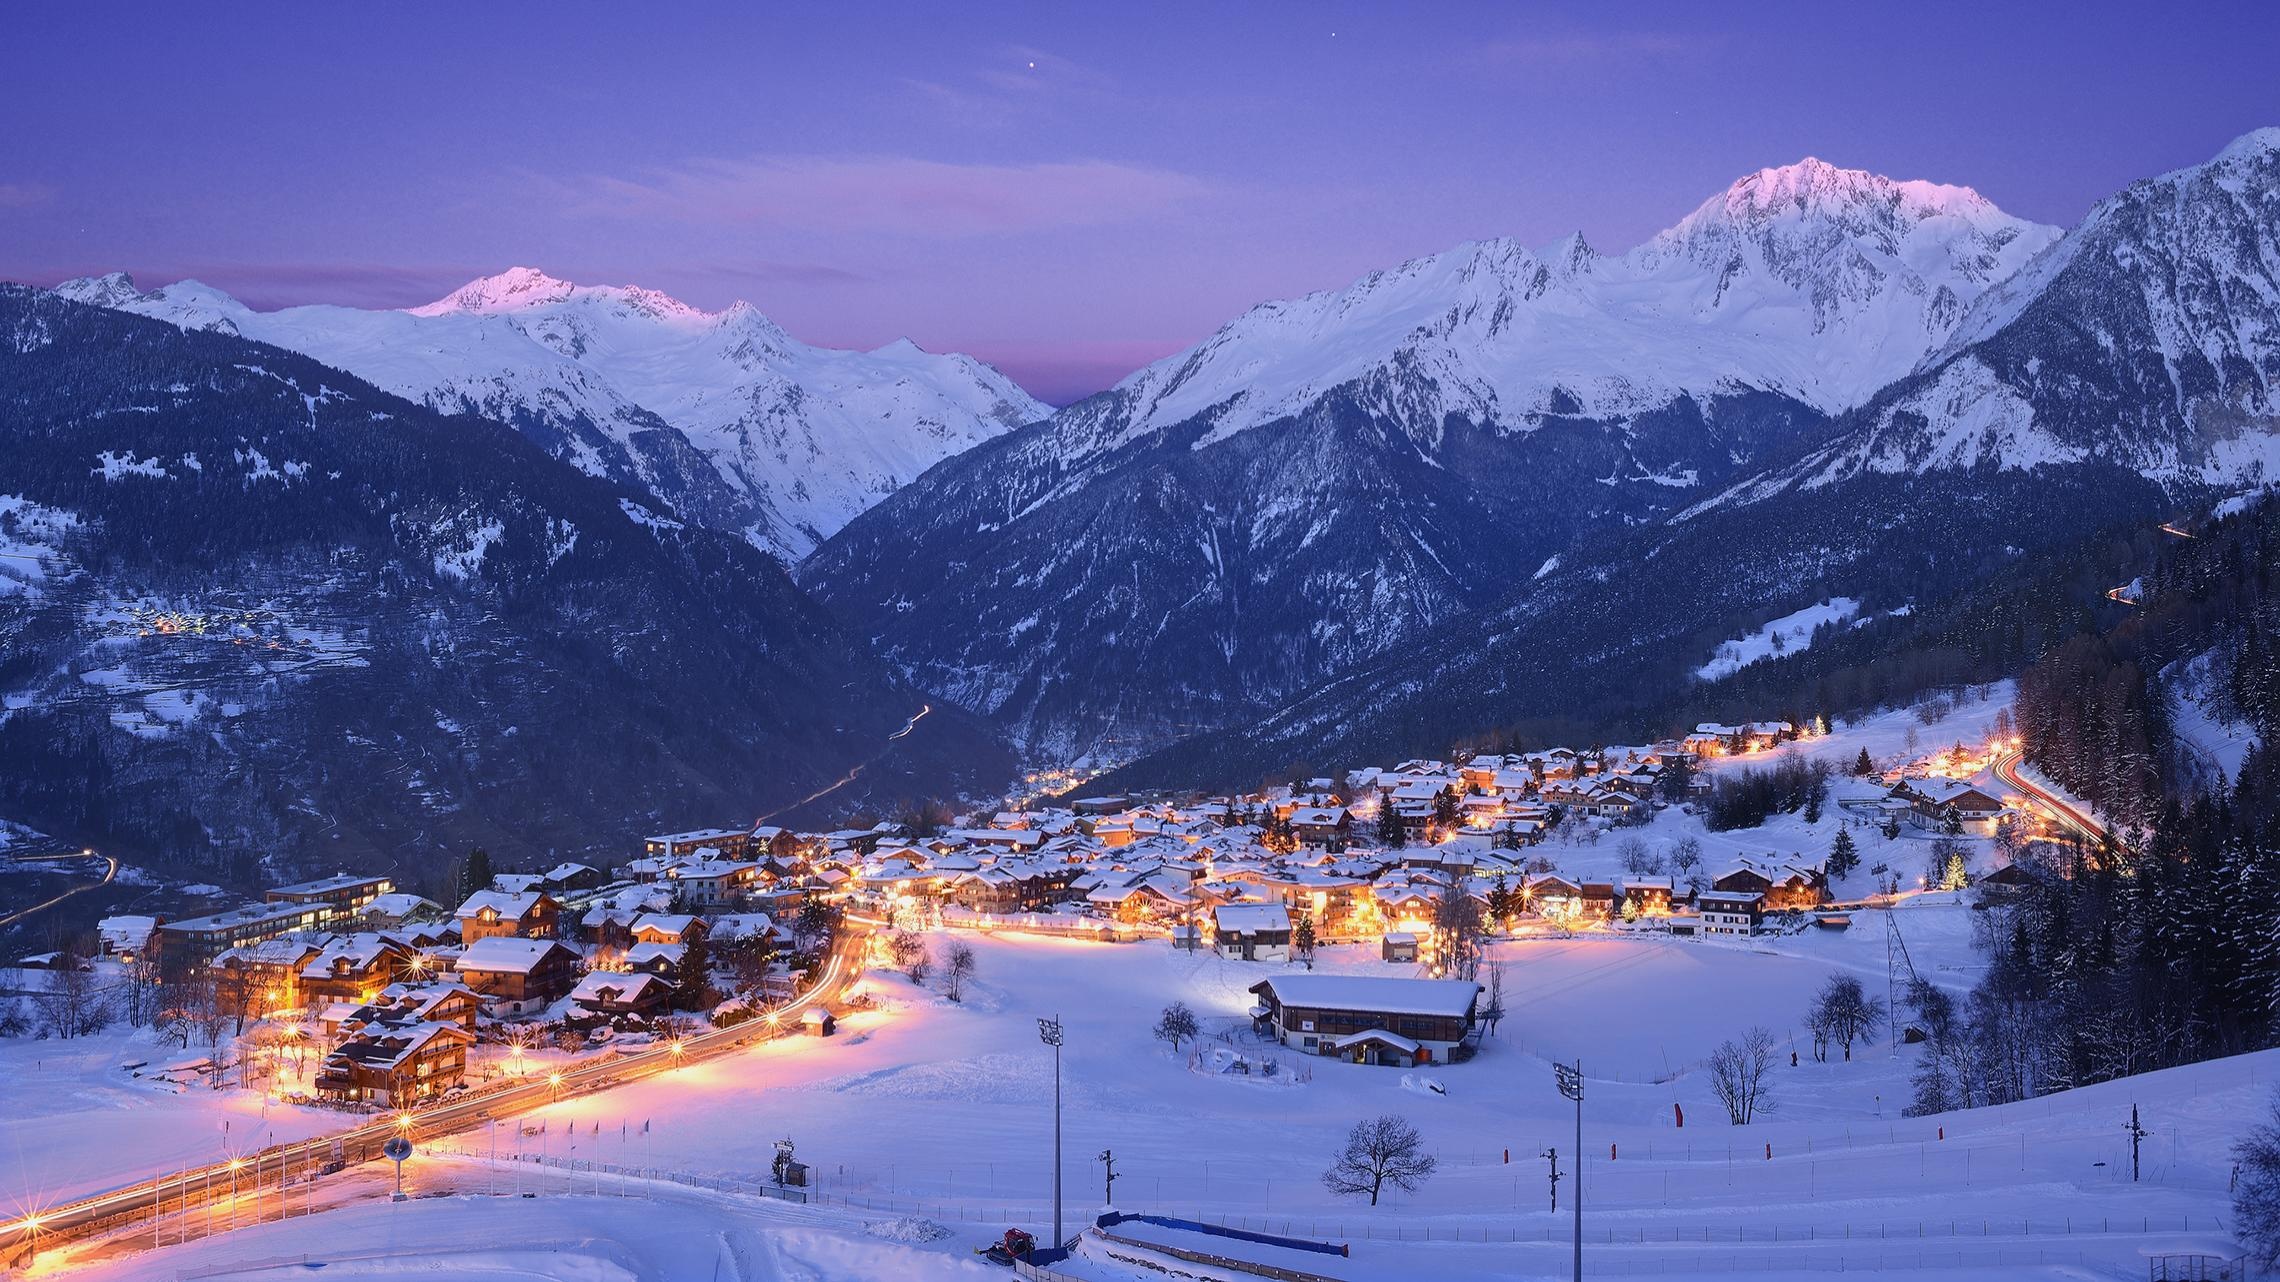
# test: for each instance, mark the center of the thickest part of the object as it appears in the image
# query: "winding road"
(2006, 768)
(110, 870)
(850, 777)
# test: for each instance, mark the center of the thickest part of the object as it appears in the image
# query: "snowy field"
(79, 1123)
(665, 1233)
(926, 1109)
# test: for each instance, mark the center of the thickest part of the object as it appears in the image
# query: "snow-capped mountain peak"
(762, 434)
(514, 289)
(1810, 281)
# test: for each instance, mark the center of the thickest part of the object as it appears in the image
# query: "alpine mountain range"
(1486, 489)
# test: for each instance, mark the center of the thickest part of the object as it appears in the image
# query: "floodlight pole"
(1571, 1085)
(1049, 1032)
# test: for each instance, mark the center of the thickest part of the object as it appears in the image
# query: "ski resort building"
(1370, 1019)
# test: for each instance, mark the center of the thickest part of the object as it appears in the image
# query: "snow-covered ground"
(665, 1233)
(943, 1111)
(2212, 739)
(78, 1122)
(1785, 635)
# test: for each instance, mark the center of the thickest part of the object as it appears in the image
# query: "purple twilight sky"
(1069, 190)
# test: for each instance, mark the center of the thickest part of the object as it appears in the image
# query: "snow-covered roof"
(1248, 919)
(505, 953)
(1376, 993)
(610, 987)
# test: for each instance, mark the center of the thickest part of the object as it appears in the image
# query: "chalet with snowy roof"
(713, 883)
(394, 1066)
(1369, 1019)
(1252, 932)
(2010, 879)
(1329, 828)
(1934, 803)
(1730, 912)
(126, 937)
(1552, 895)
(566, 877)
(261, 977)
(667, 928)
(1649, 896)
(610, 993)
(532, 914)
(658, 959)
(518, 975)
(353, 968)
(1780, 888)
(399, 908)
(1002, 839)
(436, 1002)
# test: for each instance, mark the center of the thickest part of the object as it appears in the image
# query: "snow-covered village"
(1269, 643)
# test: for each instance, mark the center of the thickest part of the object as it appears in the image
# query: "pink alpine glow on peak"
(524, 288)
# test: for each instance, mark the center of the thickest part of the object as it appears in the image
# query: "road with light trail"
(38, 1228)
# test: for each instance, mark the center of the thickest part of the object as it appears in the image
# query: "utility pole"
(1049, 1032)
(1552, 1155)
(1571, 1085)
(2136, 1133)
(1107, 1159)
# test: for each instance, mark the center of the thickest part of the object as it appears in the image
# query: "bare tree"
(1738, 1073)
(1639, 859)
(1843, 1014)
(1177, 1024)
(909, 952)
(1686, 861)
(73, 1004)
(958, 966)
(1381, 1151)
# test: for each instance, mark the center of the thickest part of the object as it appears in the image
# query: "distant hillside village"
(1421, 860)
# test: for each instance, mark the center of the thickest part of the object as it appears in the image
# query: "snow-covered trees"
(1302, 940)
(1746, 798)
(1639, 859)
(1177, 1024)
(1381, 1151)
(1739, 1073)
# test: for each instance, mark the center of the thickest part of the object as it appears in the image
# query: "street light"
(1049, 1032)
(1571, 1086)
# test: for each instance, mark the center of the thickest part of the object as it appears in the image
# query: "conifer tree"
(1844, 855)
